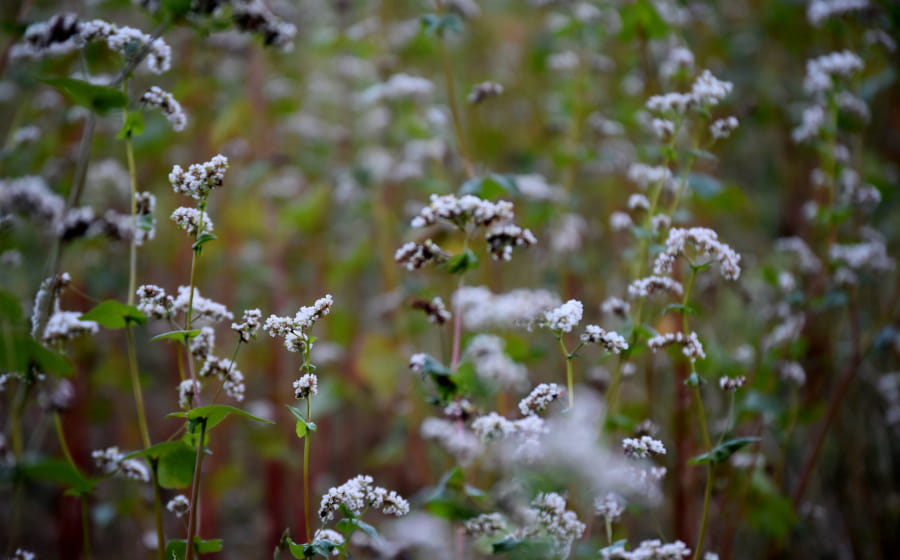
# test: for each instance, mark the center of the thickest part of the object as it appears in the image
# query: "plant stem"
(157, 507)
(454, 108)
(570, 382)
(306, 445)
(132, 252)
(136, 387)
(85, 520)
(195, 493)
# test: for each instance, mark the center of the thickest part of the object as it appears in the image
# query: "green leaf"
(47, 360)
(99, 99)
(463, 262)
(213, 414)
(721, 452)
(490, 186)
(10, 308)
(322, 547)
(679, 308)
(202, 239)
(507, 545)
(133, 126)
(298, 550)
(176, 467)
(705, 186)
(112, 314)
(304, 427)
(175, 9)
(438, 24)
(350, 524)
(441, 376)
(177, 548)
(59, 471)
(180, 336)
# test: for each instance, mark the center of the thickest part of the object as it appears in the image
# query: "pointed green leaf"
(721, 452)
(215, 413)
(99, 99)
(202, 240)
(181, 336)
(112, 314)
(59, 471)
(463, 262)
(133, 126)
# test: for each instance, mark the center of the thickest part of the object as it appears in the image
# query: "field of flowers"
(449, 279)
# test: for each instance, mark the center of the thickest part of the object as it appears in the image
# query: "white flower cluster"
(306, 386)
(435, 310)
(144, 206)
(706, 91)
(649, 550)
(870, 255)
(416, 255)
(615, 306)
(22, 554)
(820, 70)
(331, 536)
(820, 10)
(417, 362)
(706, 242)
(192, 221)
(66, 325)
(253, 16)
(200, 178)
(398, 86)
(722, 128)
(691, 346)
(486, 524)
(481, 309)
(502, 238)
(293, 329)
(811, 122)
(127, 40)
(188, 390)
(638, 201)
(564, 318)
(620, 221)
(249, 325)
(612, 341)
(650, 285)
(225, 370)
(732, 383)
(643, 447)
(551, 516)
(46, 300)
(59, 35)
(453, 437)
(29, 196)
(679, 59)
(153, 301)
(111, 461)
(791, 371)
(644, 175)
(158, 97)
(523, 434)
(493, 365)
(483, 91)
(809, 262)
(610, 507)
(201, 307)
(463, 210)
(540, 398)
(179, 505)
(360, 493)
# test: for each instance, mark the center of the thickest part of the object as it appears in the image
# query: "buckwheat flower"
(46, 301)
(128, 40)
(62, 397)
(820, 10)
(158, 97)
(870, 255)
(657, 550)
(644, 287)
(306, 386)
(485, 525)
(460, 409)
(565, 317)
(502, 238)
(612, 341)
(67, 325)
(644, 176)
(563, 61)
(722, 128)
(706, 243)
(144, 206)
(691, 346)
(294, 329)
(853, 105)
(638, 202)
(662, 128)
(59, 35)
(643, 447)
(567, 233)
(397, 87)
(435, 310)
(493, 365)
(107, 460)
(135, 470)
(331, 536)
(880, 37)
(201, 307)
(233, 384)
(215, 367)
(615, 306)
(179, 505)
(791, 371)
(484, 91)
(819, 71)
(619, 221)
(709, 90)
(463, 210)
(417, 362)
(481, 309)
(200, 178)
(679, 59)
(670, 103)
(24, 135)
(22, 554)
(31, 197)
(202, 345)
(540, 398)
(610, 507)
(812, 121)
(493, 426)
(249, 325)
(809, 262)
(187, 390)
(253, 16)
(559, 523)
(359, 493)
(153, 301)
(416, 255)
(732, 383)
(192, 221)
(452, 437)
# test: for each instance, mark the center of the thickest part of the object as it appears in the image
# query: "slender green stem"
(132, 252)
(454, 107)
(85, 520)
(136, 387)
(707, 497)
(306, 445)
(157, 508)
(63, 444)
(609, 532)
(195, 493)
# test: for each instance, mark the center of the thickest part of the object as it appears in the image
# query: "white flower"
(722, 128)
(192, 221)
(644, 287)
(706, 243)
(540, 398)
(306, 386)
(200, 178)
(691, 346)
(179, 505)
(643, 447)
(157, 97)
(249, 325)
(493, 365)
(612, 341)
(565, 317)
(359, 493)
(187, 391)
